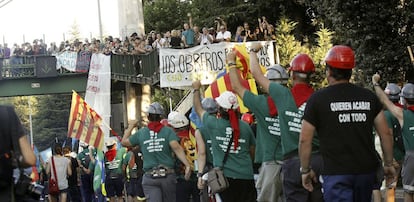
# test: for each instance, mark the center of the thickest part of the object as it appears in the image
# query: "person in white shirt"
(223, 34)
(205, 38)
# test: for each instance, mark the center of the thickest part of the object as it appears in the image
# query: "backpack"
(6, 163)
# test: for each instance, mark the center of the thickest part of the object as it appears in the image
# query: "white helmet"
(277, 73)
(110, 142)
(171, 115)
(227, 100)
(177, 120)
(83, 144)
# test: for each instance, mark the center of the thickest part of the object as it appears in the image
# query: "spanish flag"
(223, 84)
(242, 60)
(84, 123)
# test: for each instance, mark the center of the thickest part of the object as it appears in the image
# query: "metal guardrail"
(136, 68)
(142, 69)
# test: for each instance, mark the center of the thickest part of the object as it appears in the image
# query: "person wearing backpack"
(86, 176)
(132, 167)
(12, 133)
(114, 184)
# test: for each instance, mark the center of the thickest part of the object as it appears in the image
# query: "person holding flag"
(232, 145)
(269, 154)
(291, 103)
(156, 143)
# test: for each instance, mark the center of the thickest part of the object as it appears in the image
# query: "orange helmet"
(340, 57)
(302, 63)
(248, 118)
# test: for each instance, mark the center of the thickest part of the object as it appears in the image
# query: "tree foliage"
(164, 15)
(378, 31)
(51, 120)
(166, 96)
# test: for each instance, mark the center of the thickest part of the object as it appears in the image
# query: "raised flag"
(223, 84)
(84, 123)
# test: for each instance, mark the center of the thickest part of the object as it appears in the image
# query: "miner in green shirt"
(235, 134)
(269, 153)
(157, 143)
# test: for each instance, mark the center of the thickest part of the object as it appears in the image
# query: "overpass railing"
(142, 69)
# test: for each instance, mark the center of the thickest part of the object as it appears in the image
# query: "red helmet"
(302, 63)
(340, 57)
(248, 118)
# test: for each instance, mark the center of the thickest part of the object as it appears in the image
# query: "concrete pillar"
(131, 17)
(138, 97)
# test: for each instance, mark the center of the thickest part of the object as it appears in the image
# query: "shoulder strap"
(226, 155)
(54, 170)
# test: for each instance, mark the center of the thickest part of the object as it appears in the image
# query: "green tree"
(318, 52)
(165, 15)
(287, 44)
(378, 31)
(51, 119)
(163, 95)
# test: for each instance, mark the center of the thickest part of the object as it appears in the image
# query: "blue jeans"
(87, 188)
(352, 188)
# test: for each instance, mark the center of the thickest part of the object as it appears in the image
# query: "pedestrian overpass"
(37, 75)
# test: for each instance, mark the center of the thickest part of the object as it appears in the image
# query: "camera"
(26, 189)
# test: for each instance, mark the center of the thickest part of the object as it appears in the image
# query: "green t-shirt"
(83, 157)
(129, 171)
(115, 166)
(267, 131)
(290, 118)
(205, 133)
(239, 163)
(391, 122)
(155, 147)
(408, 129)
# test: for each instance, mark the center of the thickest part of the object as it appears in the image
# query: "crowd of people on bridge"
(188, 36)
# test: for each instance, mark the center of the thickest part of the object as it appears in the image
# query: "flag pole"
(30, 122)
(111, 130)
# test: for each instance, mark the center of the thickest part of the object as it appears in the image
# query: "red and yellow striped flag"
(224, 84)
(84, 123)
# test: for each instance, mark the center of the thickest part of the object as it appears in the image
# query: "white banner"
(179, 67)
(67, 60)
(98, 88)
